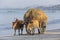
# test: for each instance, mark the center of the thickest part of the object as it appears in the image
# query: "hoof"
(19, 34)
(14, 34)
(32, 34)
(38, 32)
(42, 33)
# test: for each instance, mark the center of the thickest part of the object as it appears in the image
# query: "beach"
(10, 10)
(49, 35)
(6, 31)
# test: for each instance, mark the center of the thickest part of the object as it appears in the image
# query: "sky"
(27, 3)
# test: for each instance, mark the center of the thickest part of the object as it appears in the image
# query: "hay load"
(36, 14)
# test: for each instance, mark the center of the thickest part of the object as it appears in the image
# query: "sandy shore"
(49, 35)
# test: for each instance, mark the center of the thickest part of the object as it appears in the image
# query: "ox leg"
(21, 31)
(44, 29)
(14, 32)
(28, 31)
(39, 31)
(18, 31)
(44, 26)
(33, 31)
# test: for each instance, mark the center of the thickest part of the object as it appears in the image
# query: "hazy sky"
(25, 3)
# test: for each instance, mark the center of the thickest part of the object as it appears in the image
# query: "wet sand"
(49, 35)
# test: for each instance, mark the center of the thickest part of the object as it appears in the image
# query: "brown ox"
(32, 25)
(18, 25)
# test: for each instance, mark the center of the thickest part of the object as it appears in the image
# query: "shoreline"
(50, 34)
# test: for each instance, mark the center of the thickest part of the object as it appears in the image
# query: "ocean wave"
(56, 21)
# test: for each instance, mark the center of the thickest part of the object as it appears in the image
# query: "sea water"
(8, 16)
